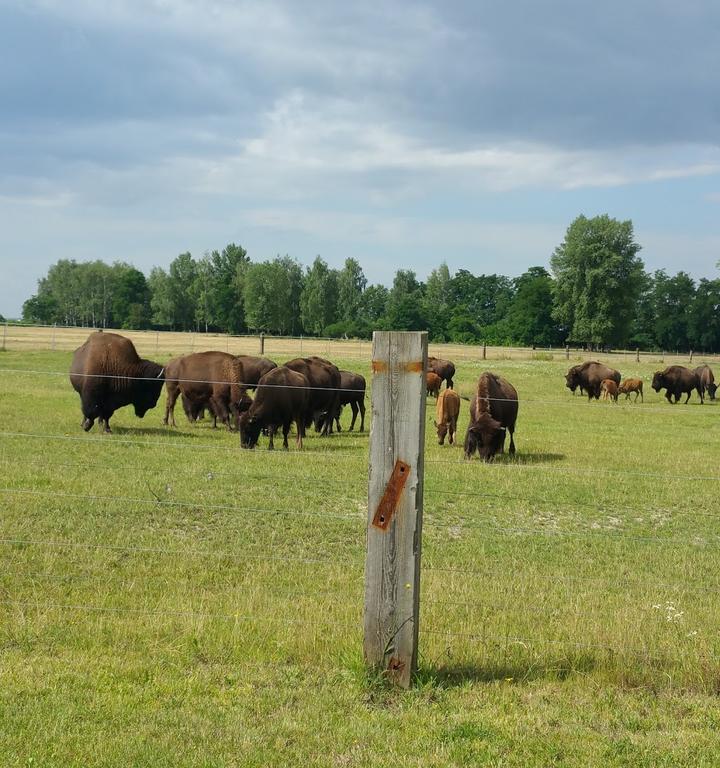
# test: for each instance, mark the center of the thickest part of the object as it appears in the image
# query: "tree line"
(597, 293)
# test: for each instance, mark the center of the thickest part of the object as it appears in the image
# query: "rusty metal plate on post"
(391, 498)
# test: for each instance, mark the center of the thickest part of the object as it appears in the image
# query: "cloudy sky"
(402, 134)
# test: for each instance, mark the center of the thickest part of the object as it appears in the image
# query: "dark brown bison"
(446, 415)
(283, 396)
(107, 374)
(210, 380)
(445, 369)
(254, 368)
(493, 410)
(677, 380)
(352, 393)
(324, 382)
(632, 385)
(707, 380)
(589, 377)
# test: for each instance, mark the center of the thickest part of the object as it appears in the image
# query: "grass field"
(167, 599)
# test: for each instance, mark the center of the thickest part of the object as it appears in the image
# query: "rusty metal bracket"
(391, 498)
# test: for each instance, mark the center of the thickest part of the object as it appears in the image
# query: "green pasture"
(167, 599)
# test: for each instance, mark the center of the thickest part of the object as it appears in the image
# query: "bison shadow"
(152, 431)
(554, 667)
(528, 458)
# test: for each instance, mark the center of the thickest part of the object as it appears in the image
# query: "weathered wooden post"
(4, 347)
(395, 503)
(157, 341)
(484, 351)
(637, 354)
(53, 336)
(691, 355)
(567, 351)
(262, 343)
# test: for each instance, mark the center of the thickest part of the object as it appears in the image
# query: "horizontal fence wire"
(160, 502)
(574, 402)
(515, 465)
(239, 617)
(213, 554)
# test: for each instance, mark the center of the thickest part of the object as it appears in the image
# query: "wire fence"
(308, 534)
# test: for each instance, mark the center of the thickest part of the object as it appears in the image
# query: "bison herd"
(108, 374)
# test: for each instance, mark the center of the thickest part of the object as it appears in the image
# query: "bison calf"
(446, 415)
(433, 383)
(632, 385)
(609, 389)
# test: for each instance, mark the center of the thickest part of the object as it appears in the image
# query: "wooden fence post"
(484, 351)
(4, 337)
(637, 354)
(395, 503)
(567, 351)
(53, 336)
(262, 343)
(691, 355)
(157, 341)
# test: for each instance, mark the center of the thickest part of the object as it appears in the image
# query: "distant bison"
(433, 383)
(446, 415)
(589, 377)
(677, 380)
(632, 385)
(107, 374)
(493, 410)
(283, 396)
(445, 369)
(707, 380)
(609, 389)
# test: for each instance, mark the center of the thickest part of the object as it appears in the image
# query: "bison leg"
(355, 408)
(300, 426)
(87, 423)
(702, 396)
(361, 408)
(286, 430)
(172, 395)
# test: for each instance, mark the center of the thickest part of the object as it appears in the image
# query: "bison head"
(712, 389)
(486, 436)
(148, 388)
(250, 428)
(572, 380)
(658, 381)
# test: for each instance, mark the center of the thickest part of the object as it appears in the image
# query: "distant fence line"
(18, 337)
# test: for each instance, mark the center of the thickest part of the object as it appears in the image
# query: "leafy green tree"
(529, 318)
(162, 301)
(598, 277)
(271, 295)
(642, 326)
(351, 284)
(672, 299)
(318, 302)
(131, 297)
(704, 320)
(225, 308)
(438, 302)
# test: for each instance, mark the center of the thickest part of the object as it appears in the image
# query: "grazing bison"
(446, 415)
(324, 383)
(254, 368)
(632, 385)
(707, 380)
(493, 410)
(352, 393)
(433, 383)
(445, 369)
(107, 374)
(609, 389)
(211, 380)
(283, 396)
(589, 377)
(677, 380)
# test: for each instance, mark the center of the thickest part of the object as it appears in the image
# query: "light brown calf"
(433, 382)
(632, 385)
(609, 388)
(446, 415)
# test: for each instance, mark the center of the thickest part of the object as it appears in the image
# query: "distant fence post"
(262, 343)
(395, 504)
(484, 351)
(53, 336)
(301, 341)
(4, 348)
(637, 354)
(157, 342)
(567, 351)
(691, 355)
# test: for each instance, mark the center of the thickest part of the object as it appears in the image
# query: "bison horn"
(159, 376)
